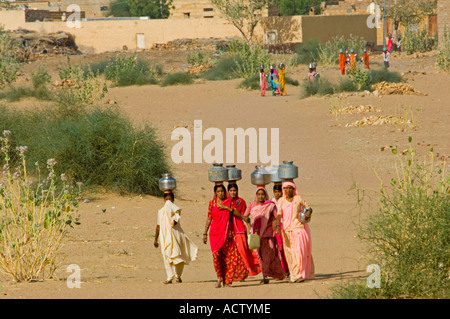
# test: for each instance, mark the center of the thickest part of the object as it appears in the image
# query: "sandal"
(299, 280)
(167, 282)
(218, 283)
(178, 280)
(264, 281)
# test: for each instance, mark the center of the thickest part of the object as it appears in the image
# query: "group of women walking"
(285, 241)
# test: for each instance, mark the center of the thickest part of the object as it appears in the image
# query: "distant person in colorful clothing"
(262, 80)
(342, 61)
(282, 79)
(365, 59)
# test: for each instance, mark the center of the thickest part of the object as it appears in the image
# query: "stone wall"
(112, 35)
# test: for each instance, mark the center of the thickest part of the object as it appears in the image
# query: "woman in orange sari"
(228, 262)
(263, 213)
(296, 234)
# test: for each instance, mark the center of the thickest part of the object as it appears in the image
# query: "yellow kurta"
(282, 80)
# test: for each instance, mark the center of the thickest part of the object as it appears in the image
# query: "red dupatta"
(250, 257)
(220, 219)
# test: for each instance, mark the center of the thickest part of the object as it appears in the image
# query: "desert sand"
(114, 249)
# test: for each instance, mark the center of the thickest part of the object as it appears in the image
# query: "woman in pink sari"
(228, 262)
(296, 235)
(263, 213)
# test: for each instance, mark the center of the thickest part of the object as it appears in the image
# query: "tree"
(155, 9)
(243, 14)
(407, 12)
(298, 7)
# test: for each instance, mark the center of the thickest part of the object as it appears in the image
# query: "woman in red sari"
(263, 214)
(228, 262)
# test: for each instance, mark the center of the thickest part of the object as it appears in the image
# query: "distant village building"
(197, 9)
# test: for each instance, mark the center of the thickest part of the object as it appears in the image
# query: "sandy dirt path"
(114, 249)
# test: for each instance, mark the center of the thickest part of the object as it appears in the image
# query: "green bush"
(97, 146)
(125, 71)
(291, 81)
(320, 86)
(308, 51)
(408, 234)
(383, 74)
(252, 83)
(199, 58)
(443, 56)
(178, 78)
(329, 52)
(223, 70)
(10, 65)
(418, 41)
(249, 57)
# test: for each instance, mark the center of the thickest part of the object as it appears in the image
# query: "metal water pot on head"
(260, 176)
(167, 183)
(274, 177)
(288, 171)
(218, 174)
(234, 174)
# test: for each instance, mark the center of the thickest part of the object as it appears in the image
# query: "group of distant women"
(285, 241)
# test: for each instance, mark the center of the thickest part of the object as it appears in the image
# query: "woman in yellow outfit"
(281, 79)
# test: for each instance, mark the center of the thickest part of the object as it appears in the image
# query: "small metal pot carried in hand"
(303, 213)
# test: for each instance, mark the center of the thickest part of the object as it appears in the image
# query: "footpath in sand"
(114, 249)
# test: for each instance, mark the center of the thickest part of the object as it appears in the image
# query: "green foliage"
(244, 15)
(154, 9)
(408, 235)
(329, 52)
(84, 87)
(10, 65)
(418, 41)
(250, 83)
(35, 215)
(358, 80)
(297, 7)
(320, 86)
(40, 78)
(97, 146)
(199, 58)
(178, 78)
(250, 57)
(308, 51)
(443, 55)
(223, 70)
(119, 8)
(125, 70)
(383, 74)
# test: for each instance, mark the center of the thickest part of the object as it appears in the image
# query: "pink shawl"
(260, 214)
